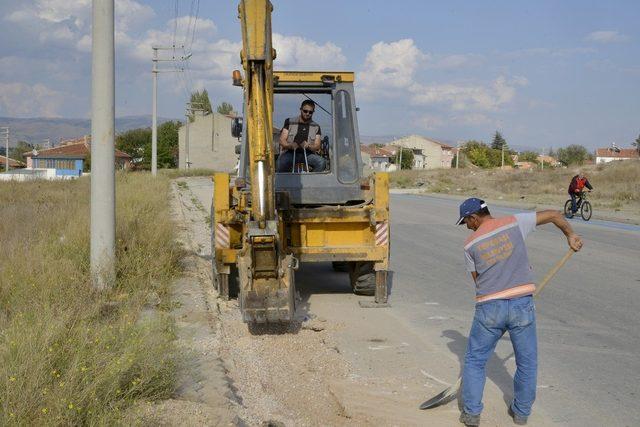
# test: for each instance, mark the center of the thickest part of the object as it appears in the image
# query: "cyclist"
(576, 187)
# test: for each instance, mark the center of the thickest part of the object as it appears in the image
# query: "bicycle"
(582, 204)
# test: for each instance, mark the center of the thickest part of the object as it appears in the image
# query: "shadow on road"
(496, 367)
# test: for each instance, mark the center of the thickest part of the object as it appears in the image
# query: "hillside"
(36, 130)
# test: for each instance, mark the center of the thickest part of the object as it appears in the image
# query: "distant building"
(377, 159)
(606, 155)
(211, 145)
(69, 158)
(549, 160)
(427, 153)
(13, 164)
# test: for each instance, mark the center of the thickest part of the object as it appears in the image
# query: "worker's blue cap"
(470, 206)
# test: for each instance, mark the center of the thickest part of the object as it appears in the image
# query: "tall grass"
(70, 355)
(617, 184)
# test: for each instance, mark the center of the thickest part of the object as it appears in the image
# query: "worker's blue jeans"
(491, 321)
(316, 162)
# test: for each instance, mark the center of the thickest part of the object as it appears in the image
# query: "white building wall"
(211, 145)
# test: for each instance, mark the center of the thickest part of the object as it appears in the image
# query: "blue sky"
(544, 73)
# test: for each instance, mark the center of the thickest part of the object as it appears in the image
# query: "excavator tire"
(362, 277)
(340, 266)
(227, 285)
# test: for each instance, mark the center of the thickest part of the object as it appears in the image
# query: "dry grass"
(617, 184)
(70, 355)
(177, 173)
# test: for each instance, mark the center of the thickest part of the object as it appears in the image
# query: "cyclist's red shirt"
(577, 184)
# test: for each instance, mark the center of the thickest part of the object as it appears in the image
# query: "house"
(549, 160)
(427, 152)
(606, 155)
(377, 159)
(70, 158)
(13, 164)
(211, 145)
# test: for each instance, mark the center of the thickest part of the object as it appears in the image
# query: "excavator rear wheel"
(362, 277)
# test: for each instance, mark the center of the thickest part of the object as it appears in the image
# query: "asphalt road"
(588, 315)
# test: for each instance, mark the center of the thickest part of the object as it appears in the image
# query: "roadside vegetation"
(70, 355)
(617, 184)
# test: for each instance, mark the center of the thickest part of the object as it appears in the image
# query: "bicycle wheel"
(585, 211)
(567, 209)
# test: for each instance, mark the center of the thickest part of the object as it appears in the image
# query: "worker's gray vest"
(294, 122)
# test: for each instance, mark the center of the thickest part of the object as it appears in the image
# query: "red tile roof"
(74, 148)
(376, 151)
(620, 153)
(12, 163)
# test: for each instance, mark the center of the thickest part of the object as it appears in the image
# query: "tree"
(498, 142)
(528, 156)
(200, 101)
(574, 154)
(168, 144)
(225, 108)
(637, 144)
(407, 158)
(17, 152)
(137, 144)
(481, 155)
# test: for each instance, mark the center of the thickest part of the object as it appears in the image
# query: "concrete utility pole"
(4, 132)
(401, 158)
(186, 137)
(154, 114)
(103, 194)
(502, 166)
(457, 153)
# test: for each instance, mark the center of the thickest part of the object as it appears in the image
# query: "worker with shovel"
(497, 259)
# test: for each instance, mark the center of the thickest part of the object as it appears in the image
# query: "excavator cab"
(335, 113)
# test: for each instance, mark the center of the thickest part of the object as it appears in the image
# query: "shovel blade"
(443, 397)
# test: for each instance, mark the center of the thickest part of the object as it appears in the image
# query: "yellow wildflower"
(44, 410)
(12, 379)
(70, 406)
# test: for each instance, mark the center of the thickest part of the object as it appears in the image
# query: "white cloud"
(299, 53)
(390, 66)
(545, 51)
(456, 61)
(56, 21)
(430, 121)
(606, 37)
(467, 97)
(19, 99)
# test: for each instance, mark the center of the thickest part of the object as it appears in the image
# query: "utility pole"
(457, 153)
(103, 186)
(542, 160)
(400, 157)
(4, 132)
(186, 137)
(502, 166)
(154, 115)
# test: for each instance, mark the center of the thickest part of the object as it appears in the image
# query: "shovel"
(451, 393)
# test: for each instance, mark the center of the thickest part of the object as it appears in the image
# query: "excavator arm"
(265, 271)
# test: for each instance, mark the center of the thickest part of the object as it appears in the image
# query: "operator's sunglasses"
(306, 111)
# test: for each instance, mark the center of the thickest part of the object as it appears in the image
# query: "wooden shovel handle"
(553, 272)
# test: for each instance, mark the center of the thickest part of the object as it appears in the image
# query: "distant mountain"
(37, 130)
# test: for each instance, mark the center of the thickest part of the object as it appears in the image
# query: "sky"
(545, 73)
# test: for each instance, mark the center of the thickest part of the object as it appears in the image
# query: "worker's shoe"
(469, 420)
(517, 419)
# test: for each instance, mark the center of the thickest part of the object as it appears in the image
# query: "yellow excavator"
(266, 223)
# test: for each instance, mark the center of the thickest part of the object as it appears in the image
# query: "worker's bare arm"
(557, 219)
(284, 134)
